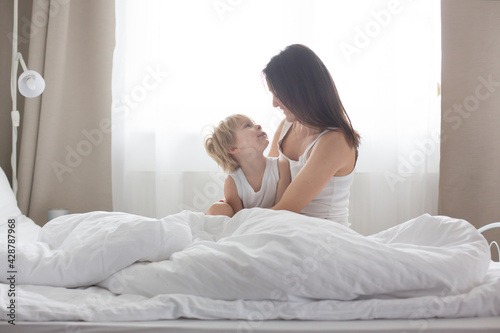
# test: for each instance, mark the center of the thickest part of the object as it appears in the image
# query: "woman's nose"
(275, 102)
(258, 127)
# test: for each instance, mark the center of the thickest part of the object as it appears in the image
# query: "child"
(237, 145)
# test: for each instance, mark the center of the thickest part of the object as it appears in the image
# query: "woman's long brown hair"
(300, 80)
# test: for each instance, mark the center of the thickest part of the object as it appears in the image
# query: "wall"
(6, 22)
(470, 148)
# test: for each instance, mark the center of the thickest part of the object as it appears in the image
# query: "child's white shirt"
(266, 196)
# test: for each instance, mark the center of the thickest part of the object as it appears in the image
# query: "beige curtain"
(470, 149)
(6, 20)
(65, 155)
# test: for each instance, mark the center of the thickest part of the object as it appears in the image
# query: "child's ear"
(234, 150)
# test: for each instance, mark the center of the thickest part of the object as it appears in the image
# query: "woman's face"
(288, 115)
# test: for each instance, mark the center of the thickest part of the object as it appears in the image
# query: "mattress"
(445, 325)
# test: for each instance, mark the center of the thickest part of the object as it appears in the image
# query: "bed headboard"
(494, 243)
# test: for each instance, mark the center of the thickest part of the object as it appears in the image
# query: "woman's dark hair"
(303, 84)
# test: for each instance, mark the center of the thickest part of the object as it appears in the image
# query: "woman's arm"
(274, 152)
(285, 178)
(231, 195)
(330, 156)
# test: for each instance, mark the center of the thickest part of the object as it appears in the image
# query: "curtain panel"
(6, 21)
(470, 161)
(180, 67)
(65, 156)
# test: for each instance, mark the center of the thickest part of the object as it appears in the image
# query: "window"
(182, 65)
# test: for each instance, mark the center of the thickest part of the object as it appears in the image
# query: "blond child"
(237, 144)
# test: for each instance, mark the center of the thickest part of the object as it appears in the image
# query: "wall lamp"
(31, 84)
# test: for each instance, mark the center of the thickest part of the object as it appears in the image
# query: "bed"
(261, 271)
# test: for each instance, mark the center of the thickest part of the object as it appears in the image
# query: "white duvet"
(261, 264)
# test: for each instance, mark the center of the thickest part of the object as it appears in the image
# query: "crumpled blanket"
(259, 254)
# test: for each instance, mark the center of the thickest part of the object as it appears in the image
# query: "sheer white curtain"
(182, 65)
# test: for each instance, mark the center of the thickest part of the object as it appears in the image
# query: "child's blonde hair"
(222, 140)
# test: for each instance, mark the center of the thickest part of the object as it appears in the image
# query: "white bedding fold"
(83, 249)
(261, 264)
(258, 254)
(40, 303)
(278, 255)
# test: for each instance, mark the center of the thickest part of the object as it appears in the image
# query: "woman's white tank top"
(266, 196)
(332, 202)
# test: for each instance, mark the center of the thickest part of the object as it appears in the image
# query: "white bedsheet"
(260, 264)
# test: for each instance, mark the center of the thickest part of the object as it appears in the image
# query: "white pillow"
(8, 202)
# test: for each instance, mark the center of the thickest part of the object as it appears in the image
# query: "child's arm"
(231, 195)
(285, 178)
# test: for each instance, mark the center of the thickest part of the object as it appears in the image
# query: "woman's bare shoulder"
(332, 148)
(334, 139)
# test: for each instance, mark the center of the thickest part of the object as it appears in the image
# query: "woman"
(316, 136)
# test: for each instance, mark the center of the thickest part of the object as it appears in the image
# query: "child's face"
(250, 137)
